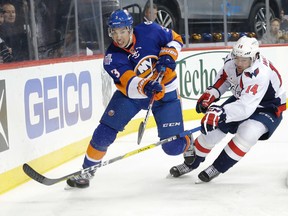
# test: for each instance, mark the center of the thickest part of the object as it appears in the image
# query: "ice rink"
(138, 186)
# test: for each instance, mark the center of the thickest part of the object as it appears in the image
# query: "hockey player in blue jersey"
(134, 60)
(253, 112)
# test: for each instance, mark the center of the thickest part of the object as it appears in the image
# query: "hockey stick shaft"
(143, 124)
(49, 181)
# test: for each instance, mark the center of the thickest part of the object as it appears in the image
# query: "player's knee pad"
(203, 145)
(175, 147)
(237, 148)
(103, 136)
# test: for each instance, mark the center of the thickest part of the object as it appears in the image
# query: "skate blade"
(169, 176)
(198, 181)
(68, 187)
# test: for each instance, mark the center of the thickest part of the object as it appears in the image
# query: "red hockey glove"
(211, 95)
(150, 87)
(167, 58)
(214, 116)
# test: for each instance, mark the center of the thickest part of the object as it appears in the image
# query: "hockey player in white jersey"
(252, 113)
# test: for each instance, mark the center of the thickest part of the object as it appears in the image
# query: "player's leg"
(116, 116)
(168, 116)
(247, 135)
(203, 144)
(260, 126)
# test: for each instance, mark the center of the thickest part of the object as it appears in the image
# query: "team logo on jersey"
(135, 53)
(145, 66)
(4, 141)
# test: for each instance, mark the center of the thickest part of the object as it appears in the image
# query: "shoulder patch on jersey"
(254, 73)
(108, 59)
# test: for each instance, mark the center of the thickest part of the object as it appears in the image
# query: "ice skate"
(208, 174)
(189, 158)
(180, 169)
(189, 154)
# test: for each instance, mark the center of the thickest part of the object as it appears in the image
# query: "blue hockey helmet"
(120, 18)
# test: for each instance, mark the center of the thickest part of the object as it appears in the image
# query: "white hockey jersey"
(259, 86)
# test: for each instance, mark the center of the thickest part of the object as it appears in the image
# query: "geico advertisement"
(48, 107)
(56, 102)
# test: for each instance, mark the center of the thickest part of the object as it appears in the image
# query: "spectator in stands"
(14, 33)
(284, 4)
(148, 14)
(284, 21)
(1, 16)
(5, 52)
(275, 35)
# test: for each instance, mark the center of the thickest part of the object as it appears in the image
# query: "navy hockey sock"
(224, 162)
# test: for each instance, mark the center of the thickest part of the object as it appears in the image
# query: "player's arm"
(171, 44)
(131, 85)
(251, 96)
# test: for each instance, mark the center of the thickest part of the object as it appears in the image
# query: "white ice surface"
(138, 186)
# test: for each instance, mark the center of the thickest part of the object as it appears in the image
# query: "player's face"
(121, 36)
(242, 63)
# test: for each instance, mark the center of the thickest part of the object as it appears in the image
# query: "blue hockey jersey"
(128, 67)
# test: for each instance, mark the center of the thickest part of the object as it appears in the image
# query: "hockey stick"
(51, 181)
(143, 124)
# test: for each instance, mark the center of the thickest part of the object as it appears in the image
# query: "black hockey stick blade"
(33, 174)
(140, 132)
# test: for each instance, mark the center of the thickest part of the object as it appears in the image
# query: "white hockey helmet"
(246, 47)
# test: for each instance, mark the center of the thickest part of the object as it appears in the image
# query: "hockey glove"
(211, 95)
(214, 116)
(167, 58)
(151, 88)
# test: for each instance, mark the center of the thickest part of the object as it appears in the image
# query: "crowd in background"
(278, 30)
(56, 39)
